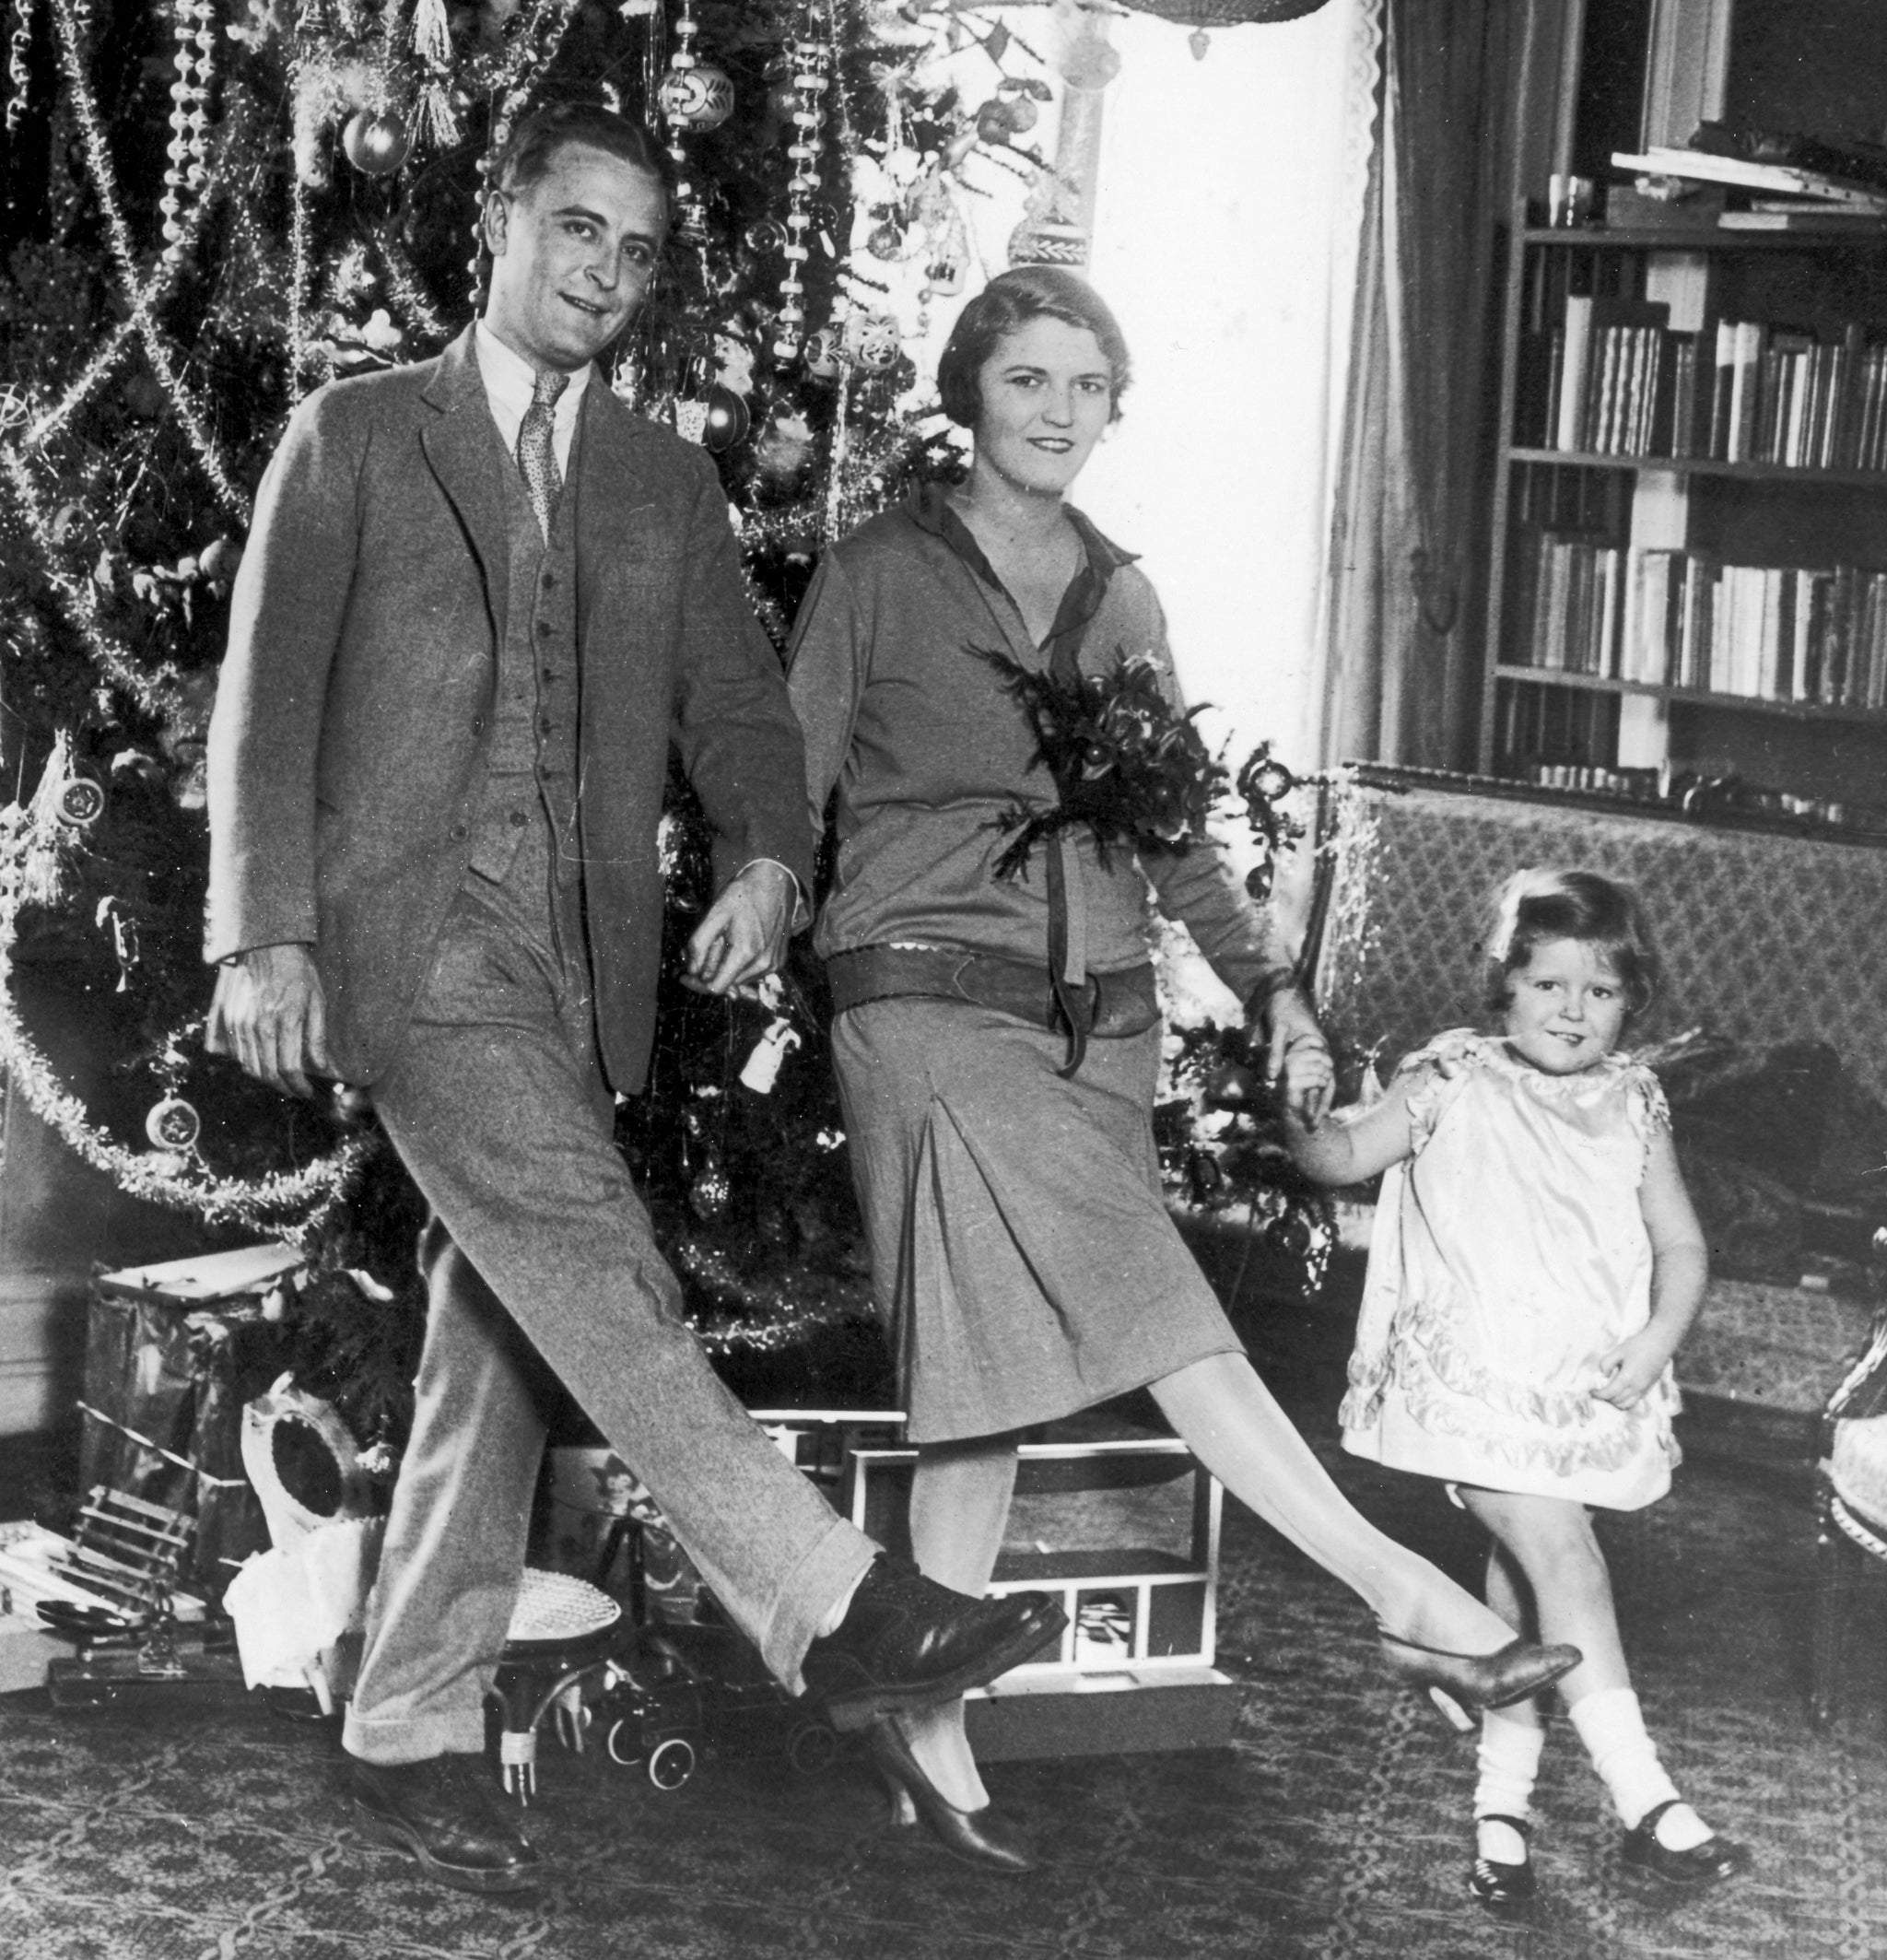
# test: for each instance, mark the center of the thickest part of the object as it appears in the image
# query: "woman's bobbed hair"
(1011, 300)
(1538, 906)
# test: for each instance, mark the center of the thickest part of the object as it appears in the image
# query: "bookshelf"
(1688, 551)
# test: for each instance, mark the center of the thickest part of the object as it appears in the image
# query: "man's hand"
(744, 935)
(270, 1014)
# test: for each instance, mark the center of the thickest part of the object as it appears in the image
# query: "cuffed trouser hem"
(825, 1576)
(412, 1738)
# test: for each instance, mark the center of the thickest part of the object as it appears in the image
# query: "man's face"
(572, 255)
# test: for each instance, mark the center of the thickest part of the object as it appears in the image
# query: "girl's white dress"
(1509, 1254)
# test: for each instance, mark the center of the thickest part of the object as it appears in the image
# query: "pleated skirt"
(1021, 1250)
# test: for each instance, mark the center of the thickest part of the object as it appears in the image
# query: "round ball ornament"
(80, 803)
(727, 421)
(173, 1125)
(994, 125)
(376, 144)
(876, 342)
(698, 98)
(823, 351)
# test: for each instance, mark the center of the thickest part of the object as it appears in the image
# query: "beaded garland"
(812, 61)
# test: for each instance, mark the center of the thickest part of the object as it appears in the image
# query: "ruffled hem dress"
(1509, 1255)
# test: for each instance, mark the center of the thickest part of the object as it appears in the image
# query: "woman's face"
(1047, 392)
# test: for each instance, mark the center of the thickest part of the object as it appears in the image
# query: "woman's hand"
(1628, 1370)
(1298, 1058)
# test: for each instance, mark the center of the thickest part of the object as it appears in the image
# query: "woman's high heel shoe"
(1457, 1682)
(983, 1837)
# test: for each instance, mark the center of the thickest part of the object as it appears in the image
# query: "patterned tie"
(536, 457)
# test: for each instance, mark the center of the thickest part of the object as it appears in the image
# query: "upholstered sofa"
(1767, 934)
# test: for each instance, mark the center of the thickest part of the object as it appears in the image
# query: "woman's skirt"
(1021, 1250)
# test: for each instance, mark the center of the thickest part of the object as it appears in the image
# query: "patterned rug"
(1332, 1827)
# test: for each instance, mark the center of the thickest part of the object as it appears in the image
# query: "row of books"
(1684, 619)
(1621, 383)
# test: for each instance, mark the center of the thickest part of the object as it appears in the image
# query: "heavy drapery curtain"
(1471, 90)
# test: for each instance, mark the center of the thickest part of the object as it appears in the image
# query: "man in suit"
(481, 600)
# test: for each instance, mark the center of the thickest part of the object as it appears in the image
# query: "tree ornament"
(699, 97)
(727, 420)
(374, 142)
(709, 1194)
(1232, 1086)
(80, 803)
(886, 241)
(993, 126)
(811, 60)
(678, 99)
(824, 349)
(1198, 41)
(875, 340)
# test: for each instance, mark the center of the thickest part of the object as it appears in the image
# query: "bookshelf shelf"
(1700, 697)
(1701, 466)
(1719, 616)
(1657, 237)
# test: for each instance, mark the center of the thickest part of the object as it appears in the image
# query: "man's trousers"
(498, 1107)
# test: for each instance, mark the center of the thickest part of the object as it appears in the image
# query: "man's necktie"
(536, 457)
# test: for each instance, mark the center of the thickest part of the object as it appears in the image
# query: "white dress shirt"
(509, 381)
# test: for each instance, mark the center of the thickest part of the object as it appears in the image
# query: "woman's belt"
(1117, 1003)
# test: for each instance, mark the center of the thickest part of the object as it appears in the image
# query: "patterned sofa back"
(1765, 936)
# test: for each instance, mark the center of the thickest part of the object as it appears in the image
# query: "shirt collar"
(928, 508)
(509, 378)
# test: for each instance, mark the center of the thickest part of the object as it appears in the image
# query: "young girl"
(1536, 1263)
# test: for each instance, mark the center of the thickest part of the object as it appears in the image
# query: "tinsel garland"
(1349, 843)
(285, 1204)
(18, 70)
(158, 692)
(104, 180)
(774, 1316)
(155, 291)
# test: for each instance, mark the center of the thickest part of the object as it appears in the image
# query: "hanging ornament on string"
(875, 340)
(435, 114)
(710, 1193)
(375, 143)
(682, 100)
(80, 803)
(700, 98)
(811, 60)
(173, 1125)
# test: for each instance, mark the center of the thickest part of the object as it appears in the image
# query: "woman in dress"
(997, 1041)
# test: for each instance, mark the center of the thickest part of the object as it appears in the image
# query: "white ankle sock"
(1612, 1730)
(1508, 1754)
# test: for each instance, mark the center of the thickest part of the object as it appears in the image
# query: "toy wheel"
(623, 1742)
(672, 1764)
(811, 1747)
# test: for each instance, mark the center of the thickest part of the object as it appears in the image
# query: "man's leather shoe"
(907, 1642)
(443, 1813)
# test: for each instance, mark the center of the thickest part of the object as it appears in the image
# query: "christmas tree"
(216, 210)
